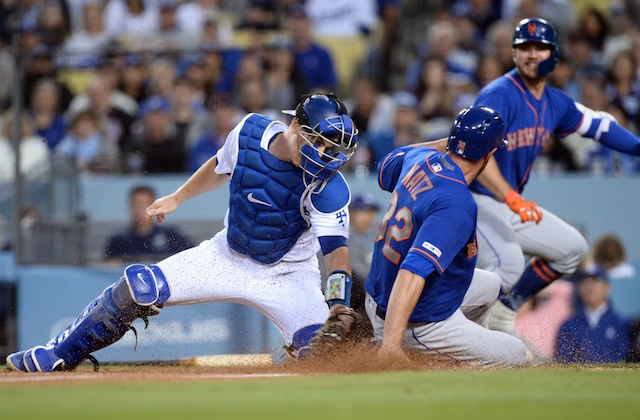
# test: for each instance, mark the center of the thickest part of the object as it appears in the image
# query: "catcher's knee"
(140, 293)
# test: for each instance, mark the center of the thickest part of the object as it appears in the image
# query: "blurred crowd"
(154, 86)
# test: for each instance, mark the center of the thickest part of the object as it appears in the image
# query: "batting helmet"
(540, 31)
(476, 131)
(324, 116)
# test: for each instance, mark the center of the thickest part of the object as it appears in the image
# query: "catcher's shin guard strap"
(338, 288)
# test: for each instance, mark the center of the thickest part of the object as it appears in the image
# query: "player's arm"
(403, 299)
(203, 180)
(491, 178)
(213, 174)
(603, 127)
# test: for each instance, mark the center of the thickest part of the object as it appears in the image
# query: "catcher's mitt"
(344, 327)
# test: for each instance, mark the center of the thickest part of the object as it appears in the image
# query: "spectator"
(489, 68)
(54, 23)
(433, 90)
(563, 77)
(133, 78)
(369, 108)
(609, 253)
(34, 153)
(312, 60)
(171, 36)
(45, 112)
(114, 122)
(362, 212)
(142, 239)
(39, 64)
(162, 78)
(192, 16)
(155, 146)
(623, 87)
(596, 30)
(343, 27)
(284, 83)
(483, 13)
(7, 71)
(84, 46)
(389, 13)
(596, 334)
(498, 42)
(253, 98)
(192, 67)
(84, 145)
(126, 19)
(189, 115)
(223, 118)
(405, 130)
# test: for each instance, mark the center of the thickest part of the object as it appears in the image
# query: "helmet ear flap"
(300, 114)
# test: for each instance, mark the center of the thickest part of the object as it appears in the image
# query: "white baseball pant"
(503, 241)
(288, 292)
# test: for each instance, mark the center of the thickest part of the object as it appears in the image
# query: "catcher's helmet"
(540, 31)
(324, 116)
(476, 131)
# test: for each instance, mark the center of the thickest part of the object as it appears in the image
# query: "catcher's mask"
(324, 117)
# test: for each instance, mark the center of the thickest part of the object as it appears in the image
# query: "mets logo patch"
(472, 249)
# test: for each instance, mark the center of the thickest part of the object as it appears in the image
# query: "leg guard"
(301, 345)
(140, 293)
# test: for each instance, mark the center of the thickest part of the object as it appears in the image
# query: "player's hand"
(527, 210)
(161, 207)
(392, 356)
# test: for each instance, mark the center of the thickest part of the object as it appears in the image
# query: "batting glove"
(527, 210)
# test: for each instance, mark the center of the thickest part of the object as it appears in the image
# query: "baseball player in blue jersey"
(287, 201)
(420, 293)
(510, 226)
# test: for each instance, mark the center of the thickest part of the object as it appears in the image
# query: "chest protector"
(265, 218)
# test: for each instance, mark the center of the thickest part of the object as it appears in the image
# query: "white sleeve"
(227, 156)
(335, 223)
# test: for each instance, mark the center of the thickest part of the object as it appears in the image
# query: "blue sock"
(536, 276)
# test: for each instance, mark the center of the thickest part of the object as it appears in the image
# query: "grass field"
(553, 392)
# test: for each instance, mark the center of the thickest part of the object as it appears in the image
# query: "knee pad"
(140, 293)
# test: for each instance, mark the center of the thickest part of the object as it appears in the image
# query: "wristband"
(338, 288)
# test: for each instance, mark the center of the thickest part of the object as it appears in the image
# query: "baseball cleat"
(502, 318)
(37, 359)
(14, 362)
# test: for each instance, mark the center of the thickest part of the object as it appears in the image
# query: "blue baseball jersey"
(529, 124)
(428, 229)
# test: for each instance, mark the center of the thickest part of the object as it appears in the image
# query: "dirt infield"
(357, 360)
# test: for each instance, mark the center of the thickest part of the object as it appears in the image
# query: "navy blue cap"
(593, 271)
(364, 201)
(154, 103)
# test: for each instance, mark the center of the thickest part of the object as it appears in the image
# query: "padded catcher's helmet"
(540, 31)
(476, 131)
(324, 116)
